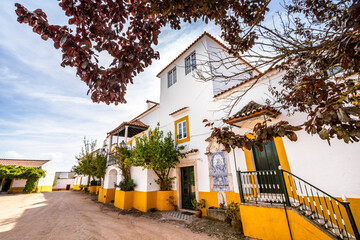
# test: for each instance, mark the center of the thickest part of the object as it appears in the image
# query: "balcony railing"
(110, 160)
(283, 187)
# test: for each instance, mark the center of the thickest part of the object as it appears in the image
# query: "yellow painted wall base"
(162, 200)
(141, 201)
(97, 189)
(211, 199)
(44, 189)
(92, 189)
(16, 189)
(270, 223)
(355, 209)
(60, 189)
(101, 195)
(106, 195)
(124, 199)
(76, 187)
(38, 189)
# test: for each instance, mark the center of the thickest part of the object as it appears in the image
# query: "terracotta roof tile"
(134, 122)
(252, 109)
(179, 110)
(191, 151)
(23, 162)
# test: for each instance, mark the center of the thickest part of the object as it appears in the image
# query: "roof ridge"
(193, 43)
(14, 159)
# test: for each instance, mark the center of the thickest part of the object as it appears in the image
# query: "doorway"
(187, 187)
(267, 160)
(67, 187)
(6, 185)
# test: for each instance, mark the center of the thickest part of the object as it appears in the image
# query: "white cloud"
(56, 157)
(6, 74)
(11, 155)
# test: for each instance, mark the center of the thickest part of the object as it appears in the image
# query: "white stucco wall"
(81, 180)
(61, 183)
(19, 183)
(48, 180)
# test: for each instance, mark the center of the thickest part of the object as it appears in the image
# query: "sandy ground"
(72, 215)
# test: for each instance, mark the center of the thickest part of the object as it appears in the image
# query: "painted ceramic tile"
(219, 172)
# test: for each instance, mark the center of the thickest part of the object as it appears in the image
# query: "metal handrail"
(259, 183)
(314, 187)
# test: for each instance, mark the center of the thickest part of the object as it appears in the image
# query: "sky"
(44, 110)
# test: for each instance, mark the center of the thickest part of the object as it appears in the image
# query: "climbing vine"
(29, 173)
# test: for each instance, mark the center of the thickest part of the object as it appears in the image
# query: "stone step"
(187, 216)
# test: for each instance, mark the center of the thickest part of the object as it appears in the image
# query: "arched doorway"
(112, 179)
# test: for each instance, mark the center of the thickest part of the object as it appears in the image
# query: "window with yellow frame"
(182, 130)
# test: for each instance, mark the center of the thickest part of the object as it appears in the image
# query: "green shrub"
(126, 185)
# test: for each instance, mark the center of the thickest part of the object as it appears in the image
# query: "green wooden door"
(267, 160)
(187, 187)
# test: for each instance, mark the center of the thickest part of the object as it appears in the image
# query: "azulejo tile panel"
(219, 172)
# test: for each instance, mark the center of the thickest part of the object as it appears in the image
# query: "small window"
(190, 63)
(182, 130)
(172, 77)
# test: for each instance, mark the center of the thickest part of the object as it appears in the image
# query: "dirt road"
(72, 215)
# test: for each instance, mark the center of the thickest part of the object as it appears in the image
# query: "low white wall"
(140, 178)
(61, 183)
(81, 180)
(19, 183)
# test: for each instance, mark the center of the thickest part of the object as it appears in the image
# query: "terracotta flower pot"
(236, 225)
(198, 214)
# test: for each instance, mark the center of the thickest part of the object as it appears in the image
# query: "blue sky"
(44, 110)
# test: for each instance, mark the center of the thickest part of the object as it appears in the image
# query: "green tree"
(122, 156)
(90, 162)
(99, 164)
(159, 153)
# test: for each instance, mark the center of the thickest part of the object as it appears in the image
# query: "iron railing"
(111, 160)
(283, 187)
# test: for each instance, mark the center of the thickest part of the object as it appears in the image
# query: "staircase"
(282, 187)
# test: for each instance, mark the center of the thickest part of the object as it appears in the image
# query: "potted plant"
(233, 212)
(198, 205)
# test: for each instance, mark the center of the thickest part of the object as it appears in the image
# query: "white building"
(208, 172)
(44, 184)
(64, 181)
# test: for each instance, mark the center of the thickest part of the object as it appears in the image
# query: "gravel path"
(72, 215)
